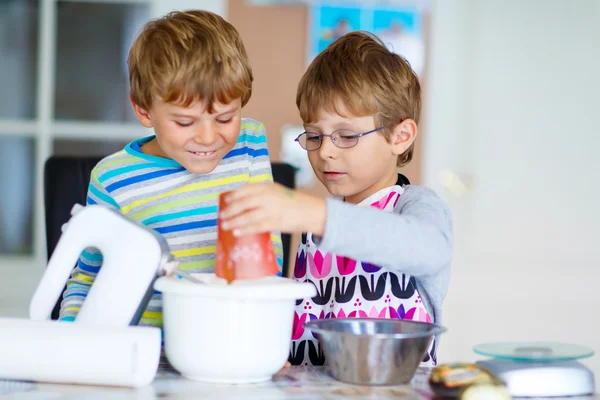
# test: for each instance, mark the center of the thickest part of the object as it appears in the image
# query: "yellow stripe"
(251, 126)
(71, 309)
(152, 321)
(138, 216)
(196, 251)
(188, 188)
(152, 314)
(82, 277)
(261, 178)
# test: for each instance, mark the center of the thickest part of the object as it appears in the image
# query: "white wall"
(162, 7)
(514, 113)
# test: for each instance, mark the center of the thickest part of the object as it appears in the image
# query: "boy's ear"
(403, 136)
(142, 115)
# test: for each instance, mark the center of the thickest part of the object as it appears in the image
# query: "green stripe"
(157, 322)
(118, 161)
(252, 126)
(197, 264)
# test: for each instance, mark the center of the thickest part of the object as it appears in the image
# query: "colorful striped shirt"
(180, 205)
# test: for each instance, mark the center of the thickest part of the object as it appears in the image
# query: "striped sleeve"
(89, 262)
(260, 170)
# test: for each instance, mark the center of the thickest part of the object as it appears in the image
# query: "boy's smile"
(196, 139)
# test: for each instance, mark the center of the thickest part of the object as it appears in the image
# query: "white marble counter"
(293, 384)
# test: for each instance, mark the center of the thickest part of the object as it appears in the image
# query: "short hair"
(189, 56)
(361, 73)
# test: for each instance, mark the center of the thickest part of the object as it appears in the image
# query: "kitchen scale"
(539, 369)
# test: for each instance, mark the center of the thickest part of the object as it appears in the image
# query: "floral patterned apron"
(348, 288)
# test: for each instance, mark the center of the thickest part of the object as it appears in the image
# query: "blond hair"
(358, 72)
(189, 56)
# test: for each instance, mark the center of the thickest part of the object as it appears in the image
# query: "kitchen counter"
(296, 383)
(293, 384)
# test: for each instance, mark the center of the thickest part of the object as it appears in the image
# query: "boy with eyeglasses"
(382, 248)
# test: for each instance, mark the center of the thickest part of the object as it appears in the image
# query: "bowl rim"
(434, 331)
(271, 288)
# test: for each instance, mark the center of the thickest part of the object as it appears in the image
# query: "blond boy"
(190, 77)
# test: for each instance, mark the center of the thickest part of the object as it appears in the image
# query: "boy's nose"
(328, 150)
(205, 135)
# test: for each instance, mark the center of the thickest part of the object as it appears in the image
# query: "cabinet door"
(93, 40)
(18, 58)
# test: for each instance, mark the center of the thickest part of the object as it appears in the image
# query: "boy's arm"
(89, 262)
(260, 170)
(416, 239)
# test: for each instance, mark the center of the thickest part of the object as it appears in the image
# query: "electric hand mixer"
(101, 346)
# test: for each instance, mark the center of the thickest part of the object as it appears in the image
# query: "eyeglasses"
(343, 138)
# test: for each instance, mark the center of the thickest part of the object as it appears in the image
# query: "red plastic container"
(245, 257)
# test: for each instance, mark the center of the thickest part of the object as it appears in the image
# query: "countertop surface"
(291, 384)
(294, 383)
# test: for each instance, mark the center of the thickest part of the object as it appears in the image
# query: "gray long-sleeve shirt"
(416, 239)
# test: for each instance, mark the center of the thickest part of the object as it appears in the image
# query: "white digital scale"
(539, 369)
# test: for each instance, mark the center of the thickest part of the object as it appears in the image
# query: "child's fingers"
(250, 222)
(245, 191)
(260, 224)
(242, 205)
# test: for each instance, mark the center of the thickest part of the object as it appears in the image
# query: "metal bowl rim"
(435, 329)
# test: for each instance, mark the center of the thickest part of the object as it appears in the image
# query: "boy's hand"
(267, 207)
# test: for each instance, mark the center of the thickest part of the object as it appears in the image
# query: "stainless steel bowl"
(367, 351)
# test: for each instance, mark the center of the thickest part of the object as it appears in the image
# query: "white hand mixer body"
(133, 257)
(86, 352)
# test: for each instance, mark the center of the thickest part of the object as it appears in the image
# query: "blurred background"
(509, 135)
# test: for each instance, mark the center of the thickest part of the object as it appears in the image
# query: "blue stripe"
(141, 178)
(87, 267)
(236, 152)
(254, 153)
(245, 138)
(90, 201)
(70, 318)
(181, 214)
(256, 139)
(123, 170)
(76, 294)
(187, 226)
(104, 197)
(242, 139)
